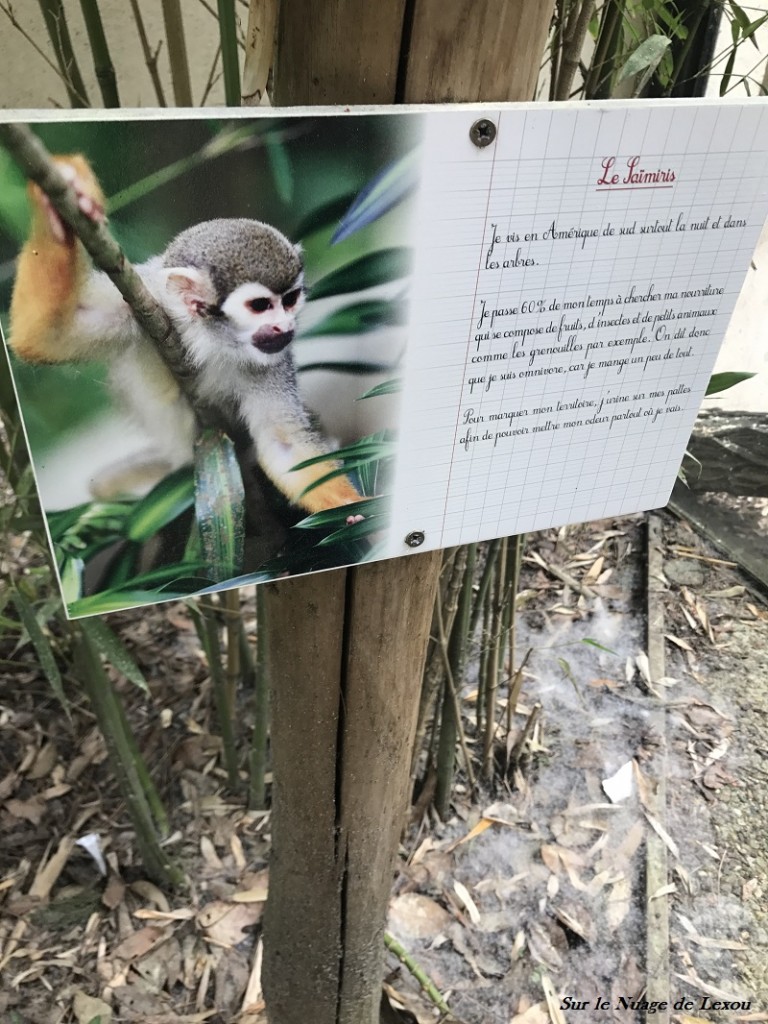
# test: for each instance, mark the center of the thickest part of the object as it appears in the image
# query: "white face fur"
(259, 322)
(263, 321)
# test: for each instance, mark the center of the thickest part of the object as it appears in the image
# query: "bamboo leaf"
(646, 58)
(42, 647)
(386, 190)
(164, 503)
(366, 272)
(722, 381)
(359, 318)
(114, 650)
(594, 643)
(367, 448)
(387, 387)
(219, 504)
(280, 165)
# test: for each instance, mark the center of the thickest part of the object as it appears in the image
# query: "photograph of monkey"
(279, 250)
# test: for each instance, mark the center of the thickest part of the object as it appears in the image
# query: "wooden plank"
(344, 51)
(473, 50)
(305, 624)
(390, 612)
(736, 539)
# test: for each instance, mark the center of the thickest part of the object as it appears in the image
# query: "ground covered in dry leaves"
(631, 817)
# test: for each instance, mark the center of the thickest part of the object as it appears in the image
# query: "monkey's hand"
(52, 271)
(77, 172)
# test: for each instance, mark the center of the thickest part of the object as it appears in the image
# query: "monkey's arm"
(62, 310)
(283, 438)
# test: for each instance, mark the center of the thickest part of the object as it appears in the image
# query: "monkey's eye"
(291, 298)
(259, 305)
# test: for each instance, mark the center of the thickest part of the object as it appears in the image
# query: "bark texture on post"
(347, 648)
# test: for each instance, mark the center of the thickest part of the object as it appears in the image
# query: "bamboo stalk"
(224, 709)
(150, 58)
(454, 655)
(177, 52)
(598, 81)
(142, 800)
(492, 684)
(102, 59)
(229, 56)
(58, 32)
(230, 602)
(572, 45)
(258, 758)
(517, 561)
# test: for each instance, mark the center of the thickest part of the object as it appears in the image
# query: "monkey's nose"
(271, 343)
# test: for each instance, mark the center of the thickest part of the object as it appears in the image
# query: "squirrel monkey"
(233, 290)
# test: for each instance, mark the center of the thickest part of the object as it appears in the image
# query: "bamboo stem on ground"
(142, 800)
(258, 759)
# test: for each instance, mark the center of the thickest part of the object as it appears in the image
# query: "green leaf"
(42, 647)
(219, 504)
(387, 387)
(164, 503)
(359, 318)
(722, 381)
(14, 205)
(371, 508)
(645, 59)
(352, 531)
(324, 216)
(386, 190)
(357, 369)
(114, 650)
(594, 643)
(740, 16)
(280, 165)
(728, 71)
(365, 272)
(367, 448)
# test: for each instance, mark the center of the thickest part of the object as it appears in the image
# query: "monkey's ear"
(190, 287)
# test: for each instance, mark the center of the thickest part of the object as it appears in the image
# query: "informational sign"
(510, 318)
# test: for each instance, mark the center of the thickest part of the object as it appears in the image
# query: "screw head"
(483, 132)
(415, 539)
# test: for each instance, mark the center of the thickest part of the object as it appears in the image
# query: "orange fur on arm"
(49, 278)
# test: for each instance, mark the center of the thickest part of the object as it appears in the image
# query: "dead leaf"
(469, 904)
(88, 1008)
(31, 810)
(140, 943)
(416, 916)
(226, 923)
(618, 902)
(44, 762)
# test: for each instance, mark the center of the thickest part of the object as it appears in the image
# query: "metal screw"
(483, 132)
(415, 539)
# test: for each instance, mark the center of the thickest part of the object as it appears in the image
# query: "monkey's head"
(240, 284)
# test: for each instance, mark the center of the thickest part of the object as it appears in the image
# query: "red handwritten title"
(634, 177)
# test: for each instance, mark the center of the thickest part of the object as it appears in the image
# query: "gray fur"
(237, 251)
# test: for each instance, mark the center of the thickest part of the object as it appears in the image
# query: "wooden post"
(346, 648)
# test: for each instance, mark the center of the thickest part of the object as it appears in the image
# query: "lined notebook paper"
(572, 287)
